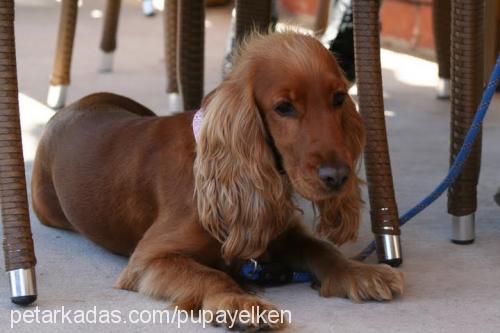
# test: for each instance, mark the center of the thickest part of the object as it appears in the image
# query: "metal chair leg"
(170, 36)
(191, 25)
(17, 243)
(109, 31)
(466, 85)
(383, 208)
(60, 78)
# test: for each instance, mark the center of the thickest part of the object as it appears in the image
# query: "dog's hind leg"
(44, 198)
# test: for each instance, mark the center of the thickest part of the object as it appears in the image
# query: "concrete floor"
(449, 288)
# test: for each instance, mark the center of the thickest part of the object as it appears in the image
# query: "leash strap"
(272, 274)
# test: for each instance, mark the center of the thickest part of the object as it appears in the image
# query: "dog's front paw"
(243, 312)
(360, 282)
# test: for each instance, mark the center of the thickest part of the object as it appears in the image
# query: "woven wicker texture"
(170, 36)
(110, 27)
(383, 209)
(17, 241)
(466, 86)
(65, 38)
(252, 15)
(191, 52)
(441, 15)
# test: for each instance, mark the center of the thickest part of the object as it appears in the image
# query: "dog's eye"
(338, 99)
(285, 109)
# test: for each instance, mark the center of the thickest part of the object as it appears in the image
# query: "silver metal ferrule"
(106, 62)
(388, 247)
(148, 8)
(22, 282)
(56, 97)
(443, 88)
(174, 102)
(463, 228)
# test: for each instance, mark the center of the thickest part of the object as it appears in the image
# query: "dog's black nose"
(334, 176)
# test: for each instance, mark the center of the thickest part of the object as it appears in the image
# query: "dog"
(192, 196)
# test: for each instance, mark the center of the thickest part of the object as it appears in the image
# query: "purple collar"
(197, 121)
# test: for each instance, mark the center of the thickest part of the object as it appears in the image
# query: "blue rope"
(457, 165)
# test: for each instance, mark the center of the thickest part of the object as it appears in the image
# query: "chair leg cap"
(23, 300)
(148, 8)
(443, 88)
(389, 249)
(393, 262)
(174, 102)
(56, 97)
(497, 196)
(462, 242)
(462, 231)
(106, 62)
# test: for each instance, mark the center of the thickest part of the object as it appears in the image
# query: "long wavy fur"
(340, 216)
(242, 199)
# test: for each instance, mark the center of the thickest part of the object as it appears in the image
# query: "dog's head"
(281, 120)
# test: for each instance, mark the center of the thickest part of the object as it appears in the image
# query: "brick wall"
(409, 22)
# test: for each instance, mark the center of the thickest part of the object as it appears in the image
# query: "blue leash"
(457, 165)
(270, 274)
(262, 273)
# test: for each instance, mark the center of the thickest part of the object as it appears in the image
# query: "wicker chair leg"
(17, 242)
(62, 64)
(441, 14)
(108, 39)
(383, 209)
(466, 83)
(252, 15)
(170, 37)
(191, 25)
(322, 17)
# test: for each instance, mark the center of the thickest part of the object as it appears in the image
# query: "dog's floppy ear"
(242, 199)
(339, 216)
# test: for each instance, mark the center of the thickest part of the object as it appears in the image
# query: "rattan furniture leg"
(441, 15)
(322, 17)
(191, 38)
(466, 85)
(60, 78)
(252, 15)
(170, 36)
(17, 240)
(109, 31)
(383, 208)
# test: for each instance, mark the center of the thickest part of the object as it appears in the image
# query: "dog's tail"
(114, 99)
